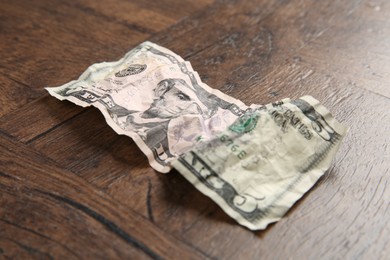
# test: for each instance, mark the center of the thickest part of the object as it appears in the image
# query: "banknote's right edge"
(197, 167)
(338, 127)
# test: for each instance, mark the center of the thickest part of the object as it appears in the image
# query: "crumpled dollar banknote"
(155, 97)
(253, 161)
(265, 161)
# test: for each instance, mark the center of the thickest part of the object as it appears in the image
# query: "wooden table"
(72, 188)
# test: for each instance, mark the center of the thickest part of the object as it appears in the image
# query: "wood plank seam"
(11, 147)
(111, 226)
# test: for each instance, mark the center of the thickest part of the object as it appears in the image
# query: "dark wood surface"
(72, 188)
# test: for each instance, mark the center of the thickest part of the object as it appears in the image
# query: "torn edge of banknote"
(264, 162)
(155, 97)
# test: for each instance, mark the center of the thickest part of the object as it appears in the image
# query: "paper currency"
(255, 162)
(155, 97)
(264, 162)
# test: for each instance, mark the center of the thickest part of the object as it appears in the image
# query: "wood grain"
(64, 170)
(44, 39)
(60, 195)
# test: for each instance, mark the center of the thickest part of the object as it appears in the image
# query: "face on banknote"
(255, 162)
(155, 97)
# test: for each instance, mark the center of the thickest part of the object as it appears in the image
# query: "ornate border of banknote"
(254, 161)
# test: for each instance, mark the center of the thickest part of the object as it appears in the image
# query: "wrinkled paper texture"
(264, 162)
(155, 97)
(255, 162)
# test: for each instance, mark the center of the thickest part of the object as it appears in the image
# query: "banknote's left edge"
(149, 154)
(53, 93)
